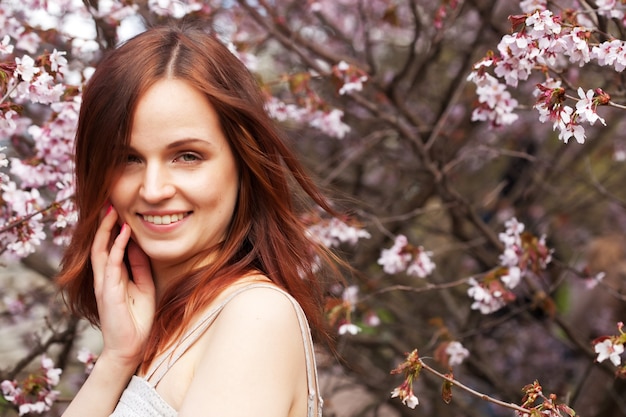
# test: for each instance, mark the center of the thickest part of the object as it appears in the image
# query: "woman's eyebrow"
(187, 141)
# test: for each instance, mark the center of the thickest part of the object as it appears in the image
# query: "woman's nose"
(157, 185)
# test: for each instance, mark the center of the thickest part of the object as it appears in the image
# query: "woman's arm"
(253, 363)
(126, 311)
(99, 394)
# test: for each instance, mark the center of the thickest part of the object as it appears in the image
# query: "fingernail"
(109, 209)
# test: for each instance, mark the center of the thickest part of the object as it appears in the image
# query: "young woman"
(189, 253)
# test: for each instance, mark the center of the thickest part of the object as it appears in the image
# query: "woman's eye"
(188, 157)
(132, 159)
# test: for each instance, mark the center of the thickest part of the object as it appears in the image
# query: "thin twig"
(480, 395)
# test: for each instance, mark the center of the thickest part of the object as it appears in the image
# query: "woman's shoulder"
(255, 335)
(257, 301)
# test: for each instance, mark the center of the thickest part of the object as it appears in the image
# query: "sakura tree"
(476, 147)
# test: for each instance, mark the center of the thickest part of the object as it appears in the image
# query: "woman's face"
(179, 186)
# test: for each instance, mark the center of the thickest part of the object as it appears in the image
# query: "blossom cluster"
(342, 311)
(611, 348)
(404, 257)
(333, 232)
(411, 369)
(36, 183)
(349, 77)
(327, 121)
(539, 404)
(35, 394)
(545, 43)
(523, 254)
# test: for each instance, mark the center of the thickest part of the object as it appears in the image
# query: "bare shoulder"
(256, 335)
(258, 305)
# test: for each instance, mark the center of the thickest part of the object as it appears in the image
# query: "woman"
(188, 253)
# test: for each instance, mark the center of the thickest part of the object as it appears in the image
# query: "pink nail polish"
(109, 209)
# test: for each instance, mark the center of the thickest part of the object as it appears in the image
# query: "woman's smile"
(164, 219)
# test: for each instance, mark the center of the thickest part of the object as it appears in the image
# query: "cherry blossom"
(14, 305)
(512, 277)
(529, 6)
(35, 394)
(333, 232)
(408, 398)
(350, 78)
(487, 299)
(86, 357)
(348, 328)
(5, 46)
(411, 368)
(457, 353)
(496, 105)
(607, 349)
(586, 107)
(421, 266)
(330, 123)
(25, 68)
(394, 259)
(610, 9)
(327, 121)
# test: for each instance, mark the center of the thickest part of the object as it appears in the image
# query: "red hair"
(266, 233)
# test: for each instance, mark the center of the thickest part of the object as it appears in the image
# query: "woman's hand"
(125, 307)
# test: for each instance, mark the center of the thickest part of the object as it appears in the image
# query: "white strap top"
(140, 398)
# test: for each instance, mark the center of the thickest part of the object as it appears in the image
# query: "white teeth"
(167, 219)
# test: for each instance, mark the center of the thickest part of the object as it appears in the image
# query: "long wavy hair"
(266, 232)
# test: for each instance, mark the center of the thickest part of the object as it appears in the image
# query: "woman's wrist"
(120, 365)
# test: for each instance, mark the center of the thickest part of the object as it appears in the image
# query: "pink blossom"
(58, 62)
(576, 45)
(457, 353)
(586, 107)
(542, 23)
(172, 8)
(610, 9)
(89, 359)
(512, 278)
(496, 104)
(349, 328)
(330, 123)
(15, 306)
(5, 46)
(568, 127)
(29, 42)
(592, 282)
(352, 78)
(334, 232)
(394, 259)
(486, 300)
(609, 350)
(372, 319)
(407, 396)
(609, 53)
(283, 112)
(350, 295)
(35, 394)
(26, 68)
(529, 6)
(421, 266)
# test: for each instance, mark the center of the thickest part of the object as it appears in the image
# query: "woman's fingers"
(115, 269)
(140, 268)
(101, 246)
